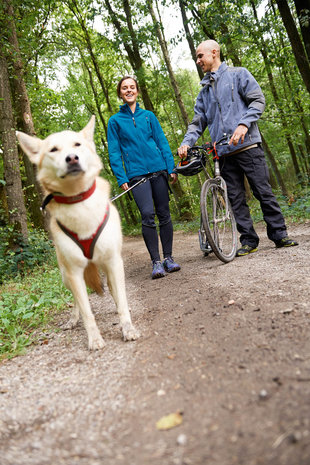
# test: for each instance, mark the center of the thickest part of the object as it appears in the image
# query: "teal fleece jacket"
(137, 144)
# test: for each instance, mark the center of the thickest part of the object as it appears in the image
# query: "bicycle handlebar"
(211, 146)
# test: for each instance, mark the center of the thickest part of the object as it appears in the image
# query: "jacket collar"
(126, 108)
(213, 76)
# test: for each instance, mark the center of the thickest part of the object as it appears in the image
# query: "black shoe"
(285, 242)
(245, 250)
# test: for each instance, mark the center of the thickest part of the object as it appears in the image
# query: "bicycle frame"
(208, 148)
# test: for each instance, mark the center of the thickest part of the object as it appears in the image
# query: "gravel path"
(227, 346)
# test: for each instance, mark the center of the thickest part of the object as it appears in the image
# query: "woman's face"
(128, 91)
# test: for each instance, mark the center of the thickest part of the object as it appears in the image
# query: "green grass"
(29, 303)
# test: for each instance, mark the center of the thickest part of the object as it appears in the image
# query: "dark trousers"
(252, 164)
(152, 197)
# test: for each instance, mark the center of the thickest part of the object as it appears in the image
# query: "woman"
(138, 147)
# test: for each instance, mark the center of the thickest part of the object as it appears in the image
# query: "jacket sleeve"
(253, 96)
(115, 153)
(197, 125)
(162, 143)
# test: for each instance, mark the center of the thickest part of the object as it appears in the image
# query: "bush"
(23, 256)
(28, 303)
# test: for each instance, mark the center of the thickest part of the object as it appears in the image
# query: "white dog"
(85, 225)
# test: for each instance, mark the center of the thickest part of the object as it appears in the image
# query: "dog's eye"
(54, 149)
(77, 144)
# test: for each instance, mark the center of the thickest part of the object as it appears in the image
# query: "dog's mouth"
(73, 170)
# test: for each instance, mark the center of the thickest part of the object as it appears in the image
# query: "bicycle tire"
(220, 228)
(203, 241)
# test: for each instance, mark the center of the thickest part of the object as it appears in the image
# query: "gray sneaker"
(158, 270)
(170, 265)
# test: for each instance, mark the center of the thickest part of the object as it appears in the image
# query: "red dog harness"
(86, 245)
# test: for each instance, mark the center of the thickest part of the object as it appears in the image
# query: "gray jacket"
(229, 97)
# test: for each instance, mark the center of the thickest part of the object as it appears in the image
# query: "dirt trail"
(226, 345)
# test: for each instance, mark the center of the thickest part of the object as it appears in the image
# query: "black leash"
(141, 181)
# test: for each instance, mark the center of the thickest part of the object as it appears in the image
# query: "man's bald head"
(208, 56)
(210, 45)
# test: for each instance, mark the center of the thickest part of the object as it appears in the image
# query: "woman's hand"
(125, 186)
(173, 178)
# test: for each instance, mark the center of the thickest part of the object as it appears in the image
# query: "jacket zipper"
(214, 87)
(134, 122)
(232, 92)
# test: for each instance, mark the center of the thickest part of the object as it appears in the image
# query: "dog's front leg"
(76, 284)
(116, 283)
(73, 319)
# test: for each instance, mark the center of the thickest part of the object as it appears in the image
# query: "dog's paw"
(70, 324)
(96, 343)
(130, 333)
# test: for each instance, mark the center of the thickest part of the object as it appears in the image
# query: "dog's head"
(67, 161)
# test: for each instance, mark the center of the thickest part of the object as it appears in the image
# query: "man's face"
(205, 58)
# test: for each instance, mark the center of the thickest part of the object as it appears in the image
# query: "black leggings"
(152, 197)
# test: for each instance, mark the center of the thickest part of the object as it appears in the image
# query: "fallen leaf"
(169, 421)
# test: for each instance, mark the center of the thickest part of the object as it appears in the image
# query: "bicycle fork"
(222, 185)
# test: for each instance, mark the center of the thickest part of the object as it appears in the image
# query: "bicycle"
(218, 230)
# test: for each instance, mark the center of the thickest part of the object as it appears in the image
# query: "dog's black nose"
(72, 159)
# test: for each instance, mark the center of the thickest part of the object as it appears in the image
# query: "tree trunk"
(13, 186)
(183, 202)
(75, 10)
(132, 51)
(303, 13)
(137, 60)
(275, 94)
(189, 37)
(292, 96)
(164, 49)
(25, 121)
(296, 43)
(225, 34)
(96, 97)
(130, 210)
(275, 168)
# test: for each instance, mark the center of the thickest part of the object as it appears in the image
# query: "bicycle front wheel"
(218, 220)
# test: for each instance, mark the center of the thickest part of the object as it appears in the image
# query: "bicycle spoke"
(219, 222)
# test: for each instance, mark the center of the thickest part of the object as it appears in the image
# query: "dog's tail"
(93, 278)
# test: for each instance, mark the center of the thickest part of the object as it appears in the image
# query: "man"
(229, 104)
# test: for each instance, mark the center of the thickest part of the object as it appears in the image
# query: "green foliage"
(22, 256)
(296, 210)
(28, 304)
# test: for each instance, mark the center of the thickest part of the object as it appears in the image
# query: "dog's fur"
(67, 163)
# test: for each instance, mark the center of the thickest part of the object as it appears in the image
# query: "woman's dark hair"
(118, 89)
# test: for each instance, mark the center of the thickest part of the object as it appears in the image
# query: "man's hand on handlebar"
(182, 151)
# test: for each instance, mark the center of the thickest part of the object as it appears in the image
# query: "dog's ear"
(88, 131)
(30, 145)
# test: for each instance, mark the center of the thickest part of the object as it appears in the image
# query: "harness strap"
(86, 245)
